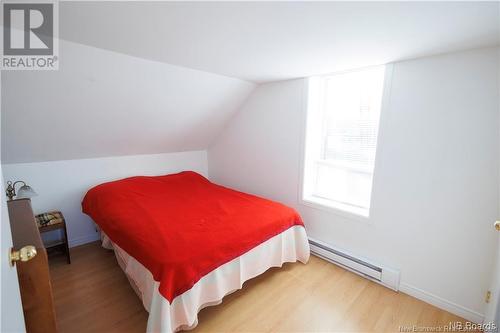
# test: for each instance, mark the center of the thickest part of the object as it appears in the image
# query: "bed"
(185, 242)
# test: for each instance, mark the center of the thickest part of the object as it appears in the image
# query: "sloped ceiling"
(101, 103)
(267, 41)
(153, 77)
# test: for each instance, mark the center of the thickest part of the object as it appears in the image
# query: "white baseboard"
(83, 239)
(442, 303)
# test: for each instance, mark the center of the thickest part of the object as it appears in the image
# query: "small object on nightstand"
(53, 221)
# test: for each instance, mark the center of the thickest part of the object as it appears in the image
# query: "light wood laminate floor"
(92, 294)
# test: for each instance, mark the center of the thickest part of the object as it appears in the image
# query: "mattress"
(181, 226)
(290, 245)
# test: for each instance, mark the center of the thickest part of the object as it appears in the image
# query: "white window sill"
(347, 211)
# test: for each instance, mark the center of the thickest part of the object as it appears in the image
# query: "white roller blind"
(351, 114)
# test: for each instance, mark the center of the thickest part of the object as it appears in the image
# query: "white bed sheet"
(289, 246)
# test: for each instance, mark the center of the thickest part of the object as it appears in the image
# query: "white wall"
(61, 185)
(435, 192)
(102, 103)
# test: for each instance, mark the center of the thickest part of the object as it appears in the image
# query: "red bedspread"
(182, 226)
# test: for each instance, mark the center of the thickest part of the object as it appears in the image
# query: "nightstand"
(54, 221)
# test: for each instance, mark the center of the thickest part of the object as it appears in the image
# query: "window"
(341, 139)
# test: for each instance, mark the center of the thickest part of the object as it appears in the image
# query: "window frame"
(347, 211)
